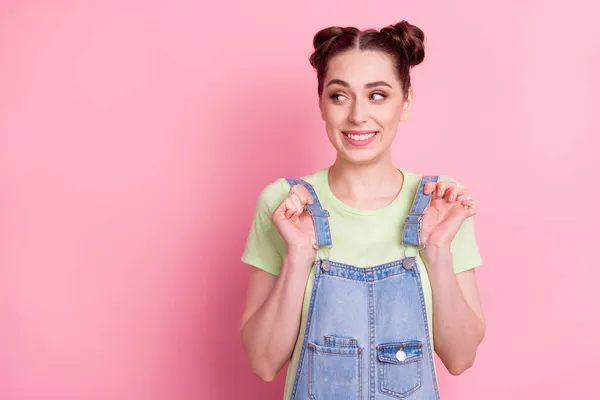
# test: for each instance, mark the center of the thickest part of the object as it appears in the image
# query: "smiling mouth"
(360, 136)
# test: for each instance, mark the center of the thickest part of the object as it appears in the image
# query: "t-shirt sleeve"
(264, 245)
(465, 251)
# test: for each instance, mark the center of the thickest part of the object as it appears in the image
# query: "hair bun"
(410, 38)
(327, 35)
(326, 38)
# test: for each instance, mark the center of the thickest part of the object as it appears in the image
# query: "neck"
(365, 185)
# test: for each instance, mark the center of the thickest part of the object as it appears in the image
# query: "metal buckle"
(419, 248)
(321, 212)
(420, 216)
(324, 261)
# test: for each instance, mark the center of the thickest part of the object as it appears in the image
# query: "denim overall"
(366, 336)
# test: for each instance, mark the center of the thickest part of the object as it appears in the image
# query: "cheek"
(334, 116)
(387, 117)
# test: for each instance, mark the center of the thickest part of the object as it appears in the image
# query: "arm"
(271, 320)
(458, 319)
(449, 240)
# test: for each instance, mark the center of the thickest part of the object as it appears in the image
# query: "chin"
(369, 154)
(361, 157)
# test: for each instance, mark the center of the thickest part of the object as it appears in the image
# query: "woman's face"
(362, 104)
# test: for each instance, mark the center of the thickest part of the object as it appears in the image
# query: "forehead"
(359, 67)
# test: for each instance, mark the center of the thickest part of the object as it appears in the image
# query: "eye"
(337, 97)
(378, 96)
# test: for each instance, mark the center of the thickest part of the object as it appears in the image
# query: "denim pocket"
(400, 368)
(334, 373)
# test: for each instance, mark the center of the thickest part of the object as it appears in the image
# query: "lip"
(359, 132)
(359, 143)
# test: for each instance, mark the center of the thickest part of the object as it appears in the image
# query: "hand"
(294, 224)
(449, 207)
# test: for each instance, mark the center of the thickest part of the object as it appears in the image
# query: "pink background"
(134, 144)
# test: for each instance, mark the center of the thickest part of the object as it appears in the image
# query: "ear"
(406, 105)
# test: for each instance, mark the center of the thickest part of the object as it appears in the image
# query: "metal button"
(325, 265)
(408, 263)
(400, 355)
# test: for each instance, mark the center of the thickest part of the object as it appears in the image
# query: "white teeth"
(360, 137)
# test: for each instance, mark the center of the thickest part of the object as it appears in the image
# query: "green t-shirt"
(362, 238)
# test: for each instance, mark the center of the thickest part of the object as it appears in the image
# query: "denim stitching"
(330, 351)
(411, 233)
(311, 362)
(335, 341)
(371, 343)
(367, 282)
(381, 350)
(428, 341)
(360, 393)
(366, 274)
(393, 393)
(306, 331)
(336, 351)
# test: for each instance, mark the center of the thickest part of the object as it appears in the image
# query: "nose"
(358, 113)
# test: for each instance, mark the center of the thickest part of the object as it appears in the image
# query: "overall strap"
(319, 215)
(412, 224)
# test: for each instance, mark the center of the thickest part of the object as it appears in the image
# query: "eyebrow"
(368, 85)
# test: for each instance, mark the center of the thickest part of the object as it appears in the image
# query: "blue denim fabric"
(367, 336)
(412, 224)
(319, 215)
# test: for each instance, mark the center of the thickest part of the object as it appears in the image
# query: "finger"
(464, 196)
(442, 187)
(286, 209)
(471, 210)
(290, 208)
(451, 195)
(468, 205)
(302, 193)
(293, 210)
(454, 194)
(429, 187)
(297, 202)
(298, 207)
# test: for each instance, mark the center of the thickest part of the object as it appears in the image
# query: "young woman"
(359, 271)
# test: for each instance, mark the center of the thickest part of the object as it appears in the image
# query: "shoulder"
(412, 179)
(449, 178)
(274, 192)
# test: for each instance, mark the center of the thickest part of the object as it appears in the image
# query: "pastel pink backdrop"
(136, 136)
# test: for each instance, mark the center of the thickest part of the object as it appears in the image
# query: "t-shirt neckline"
(402, 195)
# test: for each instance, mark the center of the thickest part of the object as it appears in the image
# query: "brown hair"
(403, 42)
